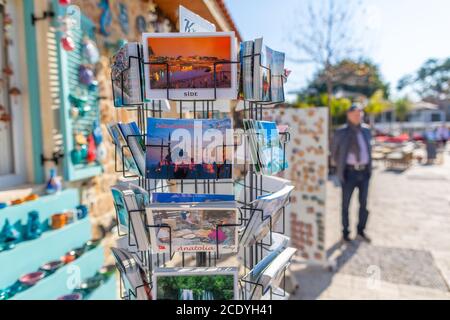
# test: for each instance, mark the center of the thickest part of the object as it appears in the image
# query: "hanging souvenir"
(86, 75)
(123, 18)
(80, 139)
(141, 24)
(90, 51)
(93, 86)
(97, 133)
(105, 18)
(64, 2)
(91, 151)
(80, 102)
(79, 154)
(67, 43)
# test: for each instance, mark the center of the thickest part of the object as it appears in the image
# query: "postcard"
(188, 149)
(273, 274)
(192, 22)
(126, 76)
(190, 66)
(122, 149)
(135, 143)
(121, 210)
(247, 69)
(277, 248)
(261, 74)
(269, 210)
(265, 147)
(134, 278)
(275, 61)
(196, 284)
(193, 227)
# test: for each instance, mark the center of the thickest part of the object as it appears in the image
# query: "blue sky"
(398, 35)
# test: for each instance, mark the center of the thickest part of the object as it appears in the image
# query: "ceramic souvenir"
(33, 228)
(85, 75)
(9, 236)
(91, 151)
(67, 43)
(82, 211)
(31, 279)
(58, 221)
(72, 296)
(51, 267)
(76, 156)
(54, 184)
(90, 51)
(97, 133)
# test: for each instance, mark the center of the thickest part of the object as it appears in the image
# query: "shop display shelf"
(28, 256)
(63, 280)
(107, 291)
(46, 206)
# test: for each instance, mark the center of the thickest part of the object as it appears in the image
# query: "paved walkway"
(410, 254)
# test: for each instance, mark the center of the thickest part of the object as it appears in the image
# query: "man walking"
(351, 154)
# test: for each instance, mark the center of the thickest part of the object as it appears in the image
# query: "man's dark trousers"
(355, 179)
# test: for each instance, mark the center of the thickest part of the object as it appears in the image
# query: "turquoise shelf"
(108, 291)
(45, 205)
(58, 284)
(30, 255)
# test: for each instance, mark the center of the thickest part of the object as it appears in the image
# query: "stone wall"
(96, 192)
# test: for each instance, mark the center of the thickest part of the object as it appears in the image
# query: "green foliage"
(402, 107)
(359, 77)
(221, 286)
(339, 106)
(431, 81)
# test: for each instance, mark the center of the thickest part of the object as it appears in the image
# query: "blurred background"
(390, 57)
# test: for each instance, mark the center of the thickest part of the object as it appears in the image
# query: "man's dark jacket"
(340, 148)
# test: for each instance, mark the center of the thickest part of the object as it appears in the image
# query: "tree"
(358, 77)
(431, 82)
(325, 37)
(402, 107)
(361, 80)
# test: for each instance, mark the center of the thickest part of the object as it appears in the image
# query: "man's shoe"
(363, 238)
(346, 239)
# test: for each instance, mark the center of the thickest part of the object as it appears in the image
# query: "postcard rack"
(252, 183)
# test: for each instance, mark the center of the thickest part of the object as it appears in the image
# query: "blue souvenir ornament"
(86, 75)
(105, 18)
(54, 184)
(97, 133)
(82, 211)
(33, 228)
(90, 51)
(123, 18)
